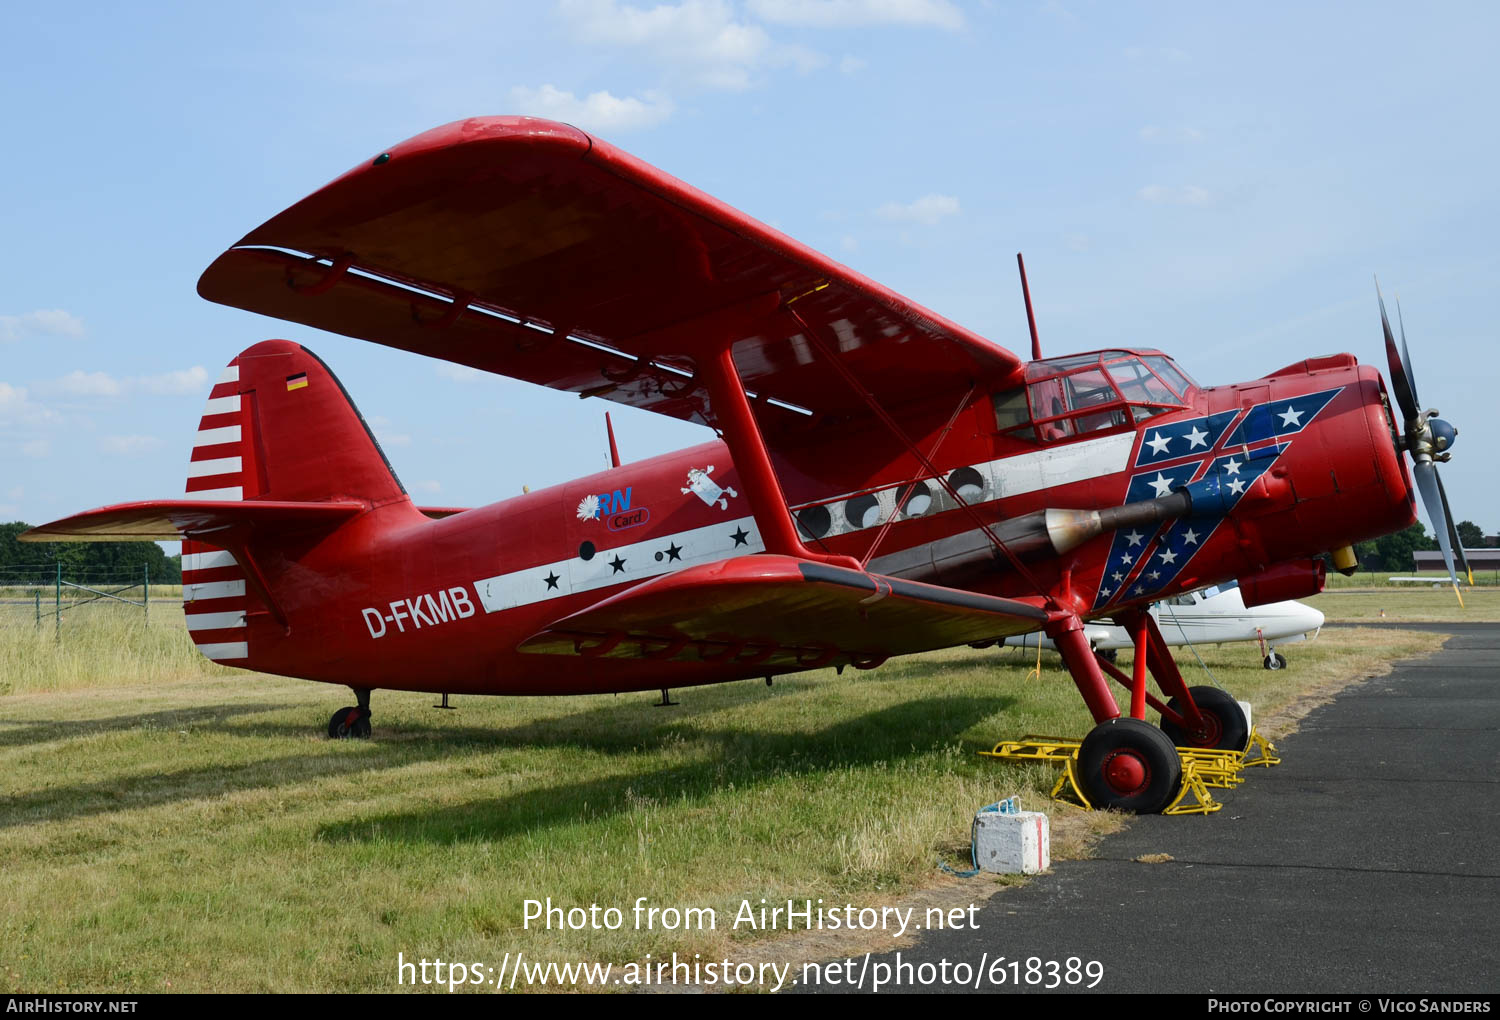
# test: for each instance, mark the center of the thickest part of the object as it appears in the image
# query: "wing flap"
(168, 520)
(484, 224)
(783, 612)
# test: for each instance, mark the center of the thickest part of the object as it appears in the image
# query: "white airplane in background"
(1211, 616)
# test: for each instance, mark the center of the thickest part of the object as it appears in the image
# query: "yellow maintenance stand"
(1201, 769)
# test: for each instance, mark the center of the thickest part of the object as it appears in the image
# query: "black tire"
(1274, 661)
(1129, 765)
(349, 722)
(1111, 654)
(1227, 728)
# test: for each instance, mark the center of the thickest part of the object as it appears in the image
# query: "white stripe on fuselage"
(637, 562)
(1004, 477)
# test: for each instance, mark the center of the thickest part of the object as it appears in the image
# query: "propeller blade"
(1406, 395)
(1458, 546)
(1432, 498)
(1411, 376)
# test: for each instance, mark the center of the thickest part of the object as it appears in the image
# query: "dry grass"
(1408, 605)
(195, 831)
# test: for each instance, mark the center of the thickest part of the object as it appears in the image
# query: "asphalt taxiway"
(1369, 861)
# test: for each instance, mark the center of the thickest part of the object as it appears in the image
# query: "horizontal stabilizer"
(770, 611)
(165, 520)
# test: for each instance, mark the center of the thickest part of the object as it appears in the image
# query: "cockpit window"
(1087, 393)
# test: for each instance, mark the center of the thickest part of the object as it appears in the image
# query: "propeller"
(1428, 438)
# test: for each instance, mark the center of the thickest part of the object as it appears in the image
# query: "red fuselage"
(394, 599)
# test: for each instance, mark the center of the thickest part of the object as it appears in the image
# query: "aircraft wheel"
(1275, 661)
(1225, 727)
(349, 722)
(1111, 654)
(1129, 765)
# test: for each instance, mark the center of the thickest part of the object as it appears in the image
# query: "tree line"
(35, 563)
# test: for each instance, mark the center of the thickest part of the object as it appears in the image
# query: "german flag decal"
(296, 382)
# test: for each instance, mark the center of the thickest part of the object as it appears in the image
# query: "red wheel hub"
(1209, 735)
(1126, 772)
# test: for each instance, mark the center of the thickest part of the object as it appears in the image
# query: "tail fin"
(278, 427)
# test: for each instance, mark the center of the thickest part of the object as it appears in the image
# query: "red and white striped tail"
(213, 584)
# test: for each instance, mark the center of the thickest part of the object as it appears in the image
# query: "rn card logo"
(705, 488)
(613, 508)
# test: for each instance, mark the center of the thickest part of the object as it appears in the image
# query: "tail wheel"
(1129, 765)
(1224, 725)
(349, 722)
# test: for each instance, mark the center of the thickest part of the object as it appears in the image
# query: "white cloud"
(926, 210)
(1187, 194)
(850, 64)
(461, 373)
(598, 111)
(848, 243)
(182, 381)
(702, 37)
(129, 446)
(432, 487)
(43, 321)
(852, 13)
(79, 383)
(36, 448)
(17, 408)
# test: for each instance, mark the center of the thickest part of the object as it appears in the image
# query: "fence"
(23, 587)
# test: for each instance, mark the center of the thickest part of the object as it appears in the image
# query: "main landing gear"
(1275, 660)
(1126, 763)
(353, 721)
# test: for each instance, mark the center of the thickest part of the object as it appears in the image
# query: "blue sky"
(1217, 181)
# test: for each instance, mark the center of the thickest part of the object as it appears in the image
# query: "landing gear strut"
(1125, 762)
(1275, 660)
(353, 721)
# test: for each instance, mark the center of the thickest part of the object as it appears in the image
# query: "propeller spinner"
(1428, 438)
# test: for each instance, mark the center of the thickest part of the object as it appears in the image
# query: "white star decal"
(1117, 576)
(1134, 538)
(1126, 559)
(1104, 593)
(1168, 557)
(1236, 486)
(1291, 418)
(1197, 438)
(1158, 443)
(1163, 486)
(1154, 574)
(1232, 466)
(1139, 589)
(1190, 537)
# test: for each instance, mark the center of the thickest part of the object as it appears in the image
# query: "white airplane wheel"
(1274, 661)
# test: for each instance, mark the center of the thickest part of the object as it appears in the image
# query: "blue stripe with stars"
(1176, 439)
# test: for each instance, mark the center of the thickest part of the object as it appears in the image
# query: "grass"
(1408, 605)
(194, 830)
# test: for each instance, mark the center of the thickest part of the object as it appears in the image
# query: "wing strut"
(742, 435)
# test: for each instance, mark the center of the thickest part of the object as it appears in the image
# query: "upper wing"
(781, 611)
(164, 520)
(527, 248)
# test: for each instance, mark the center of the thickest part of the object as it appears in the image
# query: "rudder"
(278, 426)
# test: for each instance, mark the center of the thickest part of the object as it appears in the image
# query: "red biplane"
(885, 481)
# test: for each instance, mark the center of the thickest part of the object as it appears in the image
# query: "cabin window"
(1101, 392)
(1012, 414)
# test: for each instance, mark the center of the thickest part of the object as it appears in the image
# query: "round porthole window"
(914, 500)
(968, 483)
(862, 512)
(814, 521)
